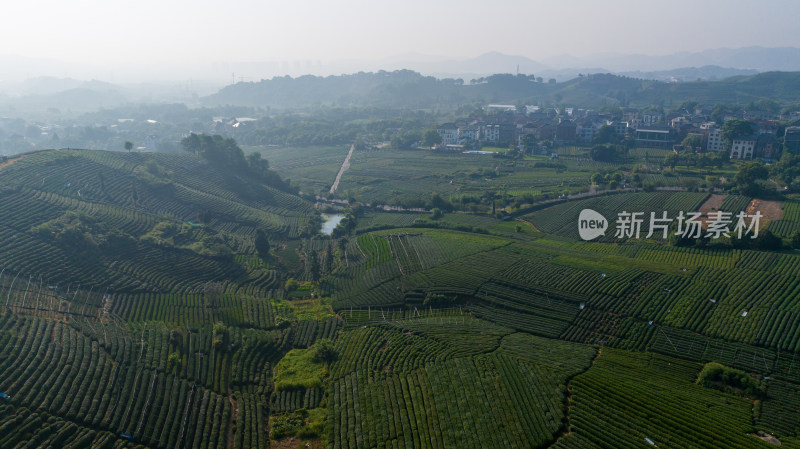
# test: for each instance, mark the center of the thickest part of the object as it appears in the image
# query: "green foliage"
(691, 142)
(312, 265)
(299, 369)
(604, 153)
(225, 153)
(324, 351)
(735, 129)
(301, 423)
(795, 243)
(202, 242)
(716, 375)
(291, 285)
(605, 135)
(439, 300)
(431, 137)
(748, 175)
(787, 170)
(261, 243)
(215, 149)
(173, 361)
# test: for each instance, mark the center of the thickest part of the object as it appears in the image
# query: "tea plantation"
(141, 307)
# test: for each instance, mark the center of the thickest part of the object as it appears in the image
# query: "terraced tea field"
(138, 308)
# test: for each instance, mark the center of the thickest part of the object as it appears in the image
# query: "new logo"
(591, 224)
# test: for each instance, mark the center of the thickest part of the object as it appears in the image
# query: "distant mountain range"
(711, 64)
(408, 89)
(422, 81)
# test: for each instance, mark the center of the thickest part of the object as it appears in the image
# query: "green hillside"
(138, 310)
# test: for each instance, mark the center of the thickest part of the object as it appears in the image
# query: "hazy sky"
(167, 31)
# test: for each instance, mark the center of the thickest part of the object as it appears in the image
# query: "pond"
(329, 222)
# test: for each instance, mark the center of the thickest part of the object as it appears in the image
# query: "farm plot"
(562, 219)
(489, 400)
(625, 398)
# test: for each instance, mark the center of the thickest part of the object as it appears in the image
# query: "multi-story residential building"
(713, 138)
(650, 118)
(743, 148)
(768, 147)
(791, 138)
(566, 132)
(491, 132)
(449, 133)
(765, 126)
(545, 131)
(620, 127)
(508, 132)
(469, 132)
(655, 136)
(585, 131)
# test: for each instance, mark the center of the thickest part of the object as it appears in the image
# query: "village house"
(449, 133)
(655, 136)
(566, 132)
(791, 138)
(743, 148)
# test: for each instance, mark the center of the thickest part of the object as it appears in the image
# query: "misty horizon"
(215, 74)
(249, 41)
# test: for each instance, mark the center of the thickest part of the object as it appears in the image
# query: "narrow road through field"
(345, 166)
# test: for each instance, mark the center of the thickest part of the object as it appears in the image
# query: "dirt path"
(234, 417)
(770, 210)
(712, 203)
(345, 166)
(528, 223)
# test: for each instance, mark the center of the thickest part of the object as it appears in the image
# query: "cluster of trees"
(750, 178)
(216, 149)
(225, 153)
(610, 180)
(734, 129)
(718, 376)
(84, 236)
(606, 153)
(787, 171)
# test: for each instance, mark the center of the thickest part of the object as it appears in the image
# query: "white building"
(491, 133)
(620, 127)
(449, 133)
(743, 148)
(714, 139)
(469, 133)
(586, 132)
(650, 119)
(501, 108)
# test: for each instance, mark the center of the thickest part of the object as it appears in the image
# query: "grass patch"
(312, 309)
(304, 308)
(297, 369)
(301, 423)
